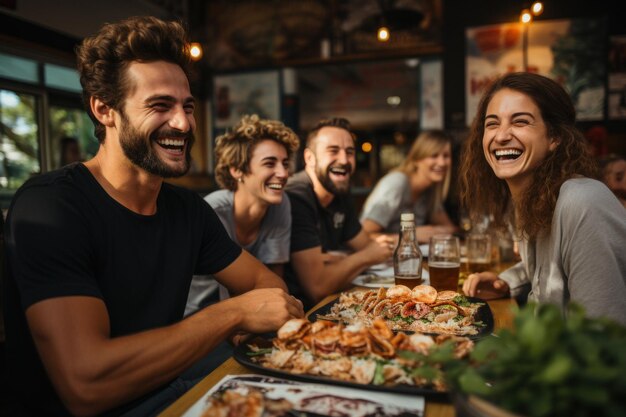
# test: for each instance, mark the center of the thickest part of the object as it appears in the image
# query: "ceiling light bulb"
(537, 8)
(383, 34)
(195, 50)
(525, 17)
(394, 101)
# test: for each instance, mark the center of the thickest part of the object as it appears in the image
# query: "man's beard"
(324, 178)
(138, 149)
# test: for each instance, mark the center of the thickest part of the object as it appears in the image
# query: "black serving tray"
(241, 355)
(483, 314)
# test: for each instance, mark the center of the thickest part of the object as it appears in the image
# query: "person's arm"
(513, 282)
(278, 269)
(441, 218)
(248, 273)
(440, 224)
(93, 372)
(320, 279)
(486, 285)
(592, 230)
(375, 231)
(371, 227)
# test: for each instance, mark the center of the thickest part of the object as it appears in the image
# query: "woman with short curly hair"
(526, 163)
(252, 168)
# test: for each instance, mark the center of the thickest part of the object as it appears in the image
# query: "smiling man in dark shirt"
(324, 218)
(100, 255)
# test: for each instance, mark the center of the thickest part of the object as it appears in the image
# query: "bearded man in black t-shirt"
(100, 255)
(324, 218)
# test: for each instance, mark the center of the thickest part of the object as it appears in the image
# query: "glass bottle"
(407, 258)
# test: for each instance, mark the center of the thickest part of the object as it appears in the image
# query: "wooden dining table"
(502, 309)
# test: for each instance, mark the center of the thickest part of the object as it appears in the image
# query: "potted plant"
(546, 365)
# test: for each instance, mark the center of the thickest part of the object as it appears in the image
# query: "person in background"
(252, 168)
(324, 219)
(614, 175)
(100, 255)
(70, 151)
(419, 186)
(597, 140)
(526, 163)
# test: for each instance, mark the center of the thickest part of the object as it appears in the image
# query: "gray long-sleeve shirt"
(583, 259)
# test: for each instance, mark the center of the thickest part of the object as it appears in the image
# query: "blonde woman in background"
(419, 185)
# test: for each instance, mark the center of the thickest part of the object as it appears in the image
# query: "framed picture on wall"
(235, 95)
(617, 78)
(431, 98)
(570, 51)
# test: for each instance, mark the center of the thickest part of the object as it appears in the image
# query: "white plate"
(377, 279)
(381, 267)
(371, 281)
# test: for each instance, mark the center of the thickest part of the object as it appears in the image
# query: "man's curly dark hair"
(103, 59)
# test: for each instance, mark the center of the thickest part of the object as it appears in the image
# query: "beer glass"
(444, 261)
(478, 252)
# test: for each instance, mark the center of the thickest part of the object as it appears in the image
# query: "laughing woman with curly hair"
(527, 164)
(252, 170)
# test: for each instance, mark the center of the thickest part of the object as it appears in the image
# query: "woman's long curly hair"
(484, 193)
(234, 149)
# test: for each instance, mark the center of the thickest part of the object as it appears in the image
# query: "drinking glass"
(444, 261)
(478, 252)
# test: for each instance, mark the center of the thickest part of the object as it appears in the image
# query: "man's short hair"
(338, 122)
(103, 59)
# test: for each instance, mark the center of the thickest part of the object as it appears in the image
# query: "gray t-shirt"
(271, 245)
(390, 198)
(583, 259)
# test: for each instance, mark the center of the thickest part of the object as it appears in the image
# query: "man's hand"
(379, 250)
(390, 240)
(266, 309)
(485, 285)
(424, 233)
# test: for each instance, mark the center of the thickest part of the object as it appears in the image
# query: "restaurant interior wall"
(455, 16)
(459, 15)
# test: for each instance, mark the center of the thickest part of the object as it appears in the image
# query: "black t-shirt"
(313, 225)
(66, 236)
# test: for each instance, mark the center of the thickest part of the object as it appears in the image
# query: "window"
(19, 69)
(62, 78)
(19, 143)
(40, 105)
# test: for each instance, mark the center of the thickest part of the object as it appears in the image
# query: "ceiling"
(78, 18)
(253, 33)
(249, 33)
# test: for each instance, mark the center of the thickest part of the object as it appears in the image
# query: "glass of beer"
(478, 252)
(444, 261)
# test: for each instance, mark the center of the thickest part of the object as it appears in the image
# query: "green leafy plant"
(547, 365)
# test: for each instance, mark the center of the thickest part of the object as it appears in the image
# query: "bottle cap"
(407, 217)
